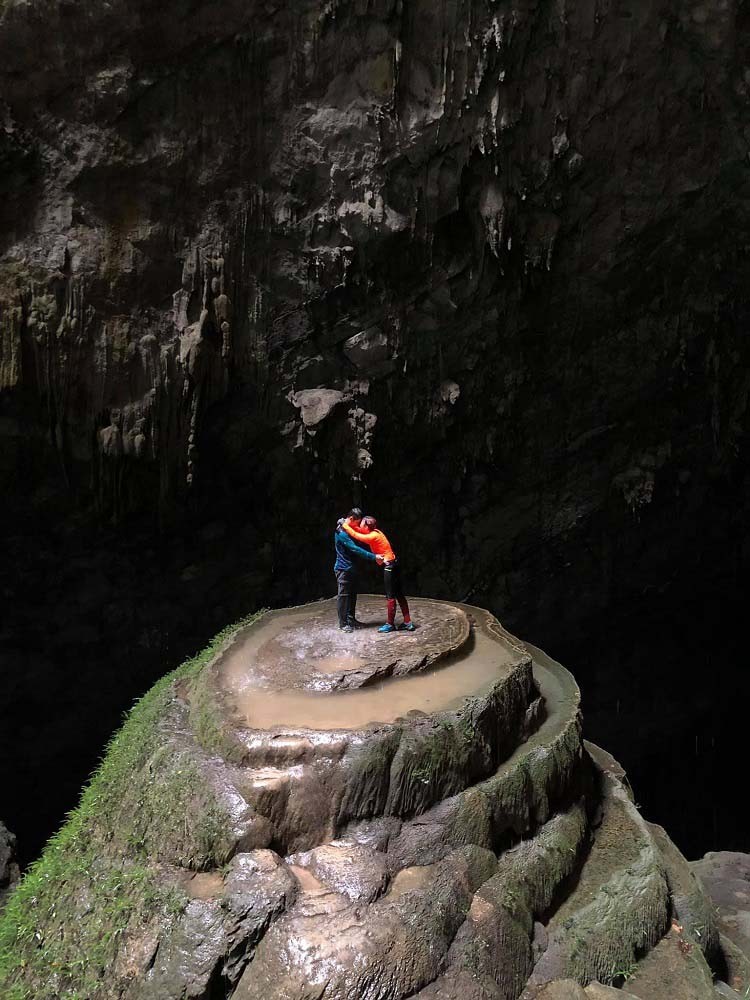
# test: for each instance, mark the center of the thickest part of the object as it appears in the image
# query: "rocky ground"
(481, 266)
(726, 877)
(477, 851)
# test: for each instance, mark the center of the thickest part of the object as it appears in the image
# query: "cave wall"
(479, 266)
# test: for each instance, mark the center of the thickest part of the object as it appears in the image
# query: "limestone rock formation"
(431, 825)
(726, 877)
(285, 214)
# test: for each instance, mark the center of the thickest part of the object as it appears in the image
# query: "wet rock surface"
(726, 878)
(216, 934)
(674, 968)
(565, 989)
(597, 991)
(478, 851)
(306, 649)
(350, 869)
(460, 261)
(320, 768)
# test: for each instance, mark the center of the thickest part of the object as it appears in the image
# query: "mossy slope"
(108, 874)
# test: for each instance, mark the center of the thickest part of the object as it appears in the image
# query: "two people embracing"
(358, 537)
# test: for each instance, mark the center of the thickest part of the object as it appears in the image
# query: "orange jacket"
(377, 541)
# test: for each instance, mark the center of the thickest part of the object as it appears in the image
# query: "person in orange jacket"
(394, 589)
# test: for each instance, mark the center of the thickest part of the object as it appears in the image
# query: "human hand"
(339, 522)
(379, 560)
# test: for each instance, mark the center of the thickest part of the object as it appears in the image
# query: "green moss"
(205, 719)
(609, 935)
(99, 881)
(529, 876)
(445, 747)
(470, 821)
(64, 926)
(369, 771)
(430, 764)
(519, 892)
(620, 906)
(172, 814)
(208, 720)
(522, 790)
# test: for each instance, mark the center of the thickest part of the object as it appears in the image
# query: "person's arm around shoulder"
(359, 536)
(352, 546)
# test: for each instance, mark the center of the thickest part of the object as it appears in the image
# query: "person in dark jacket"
(345, 568)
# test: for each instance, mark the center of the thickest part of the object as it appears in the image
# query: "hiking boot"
(346, 628)
(387, 628)
(408, 627)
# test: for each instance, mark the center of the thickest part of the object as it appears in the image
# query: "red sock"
(391, 611)
(402, 603)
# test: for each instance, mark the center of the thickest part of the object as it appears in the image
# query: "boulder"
(598, 991)
(315, 404)
(355, 871)
(369, 350)
(9, 870)
(216, 934)
(563, 989)
(726, 878)
(433, 831)
(674, 968)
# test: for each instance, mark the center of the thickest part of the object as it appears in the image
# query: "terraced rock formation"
(303, 813)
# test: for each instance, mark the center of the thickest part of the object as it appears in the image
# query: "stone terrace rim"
(303, 647)
(356, 680)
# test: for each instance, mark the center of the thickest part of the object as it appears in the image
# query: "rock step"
(543, 771)
(619, 906)
(314, 787)
(675, 968)
(287, 749)
(310, 787)
(348, 936)
(725, 875)
(347, 867)
(331, 948)
(493, 952)
(214, 937)
(267, 788)
(302, 648)
(521, 793)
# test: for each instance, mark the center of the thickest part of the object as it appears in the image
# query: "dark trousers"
(394, 591)
(394, 586)
(346, 603)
